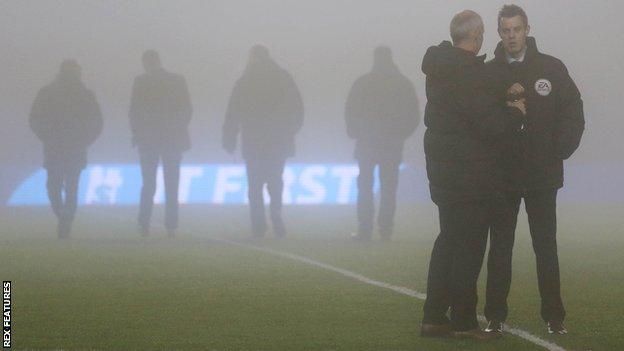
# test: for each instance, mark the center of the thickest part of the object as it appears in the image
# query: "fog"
(324, 45)
(226, 281)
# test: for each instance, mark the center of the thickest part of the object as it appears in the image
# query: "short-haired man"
(266, 109)
(67, 119)
(160, 111)
(533, 164)
(464, 126)
(381, 113)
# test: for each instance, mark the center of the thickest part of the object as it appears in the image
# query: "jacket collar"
(445, 60)
(531, 52)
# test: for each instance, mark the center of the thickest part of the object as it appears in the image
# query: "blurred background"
(324, 44)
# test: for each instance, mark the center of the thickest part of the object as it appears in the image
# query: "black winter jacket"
(555, 121)
(160, 111)
(267, 110)
(67, 119)
(465, 126)
(381, 112)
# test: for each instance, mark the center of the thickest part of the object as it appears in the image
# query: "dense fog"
(324, 45)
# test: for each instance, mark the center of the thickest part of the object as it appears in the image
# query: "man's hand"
(515, 90)
(519, 104)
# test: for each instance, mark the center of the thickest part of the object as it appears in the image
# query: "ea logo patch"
(543, 87)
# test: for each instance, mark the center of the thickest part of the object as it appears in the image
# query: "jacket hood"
(445, 60)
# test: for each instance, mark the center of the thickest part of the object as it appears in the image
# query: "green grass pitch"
(107, 288)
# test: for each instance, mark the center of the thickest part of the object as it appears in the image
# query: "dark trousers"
(63, 179)
(171, 173)
(541, 211)
(389, 180)
(455, 263)
(269, 171)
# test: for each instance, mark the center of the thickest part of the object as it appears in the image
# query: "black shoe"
(435, 331)
(279, 230)
(558, 328)
(476, 334)
(385, 234)
(361, 236)
(144, 230)
(494, 327)
(63, 228)
(258, 235)
(386, 238)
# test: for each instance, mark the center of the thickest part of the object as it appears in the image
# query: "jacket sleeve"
(184, 99)
(295, 106)
(494, 119)
(95, 122)
(354, 111)
(231, 125)
(486, 113)
(37, 120)
(409, 111)
(570, 121)
(134, 112)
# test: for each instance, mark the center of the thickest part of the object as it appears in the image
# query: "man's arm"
(570, 121)
(37, 119)
(486, 113)
(134, 112)
(353, 111)
(186, 107)
(295, 103)
(231, 125)
(409, 111)
(95, 121)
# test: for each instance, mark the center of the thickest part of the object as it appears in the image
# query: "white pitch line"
(550, 346)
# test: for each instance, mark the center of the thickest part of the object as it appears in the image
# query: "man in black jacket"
(465, 125)
(533, 163)
(381, 112)
(67, 119)
(266, 109)
(160, 111)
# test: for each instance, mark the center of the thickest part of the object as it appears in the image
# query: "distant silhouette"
(160, 112)
(266, 109)
(67, 119)
(381, 112)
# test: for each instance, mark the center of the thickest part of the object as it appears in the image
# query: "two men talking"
(496, 133)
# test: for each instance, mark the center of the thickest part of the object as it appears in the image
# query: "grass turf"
(106, 288)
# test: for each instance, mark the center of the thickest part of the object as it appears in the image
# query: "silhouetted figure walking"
(67, 119)
(160, 112)
(381, 112)
(266, 109)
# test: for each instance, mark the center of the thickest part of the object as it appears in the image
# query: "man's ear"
(474, 34)
(528, 29)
